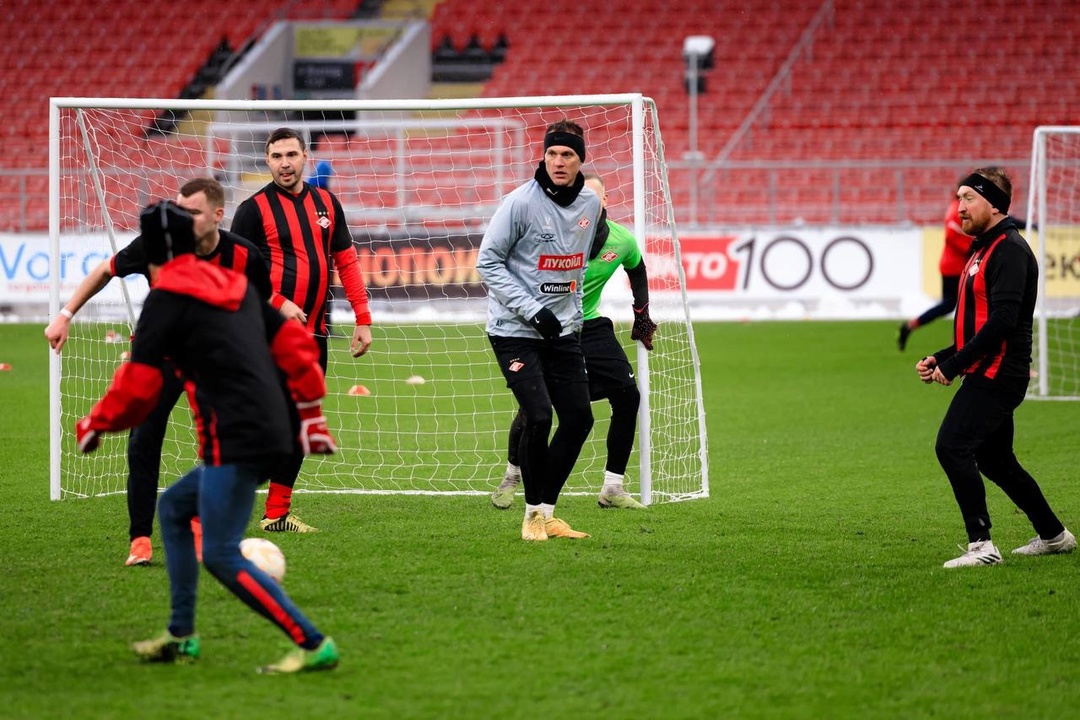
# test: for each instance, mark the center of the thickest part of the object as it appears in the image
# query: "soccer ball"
(265, 555)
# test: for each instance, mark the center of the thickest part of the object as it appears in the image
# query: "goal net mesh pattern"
(1055, 211)
(426, 410)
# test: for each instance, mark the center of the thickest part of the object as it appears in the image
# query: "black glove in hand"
(545, 323)
(644, 327)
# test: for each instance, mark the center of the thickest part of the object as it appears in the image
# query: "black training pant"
(289, 470)
(546, 375)
(144, 456)
(976, 439)
(611, 377)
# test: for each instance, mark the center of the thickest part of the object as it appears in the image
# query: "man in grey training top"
(532, 259)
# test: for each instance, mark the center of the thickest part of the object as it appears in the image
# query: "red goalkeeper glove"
(644, 327)
(86, 439)
(315, 437)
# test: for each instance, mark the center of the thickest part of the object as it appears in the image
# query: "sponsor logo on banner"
(802, 264)
(420, 267)
(27, 264)
(561, 262)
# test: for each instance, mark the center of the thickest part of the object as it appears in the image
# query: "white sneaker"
(1063, 543)
(978, 553)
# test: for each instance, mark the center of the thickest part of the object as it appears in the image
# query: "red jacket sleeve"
(349, 271)
(295, 352)
(129, 400)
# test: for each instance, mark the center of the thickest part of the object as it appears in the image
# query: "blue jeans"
(223, 498)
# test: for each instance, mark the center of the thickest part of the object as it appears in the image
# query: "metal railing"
(725, 194)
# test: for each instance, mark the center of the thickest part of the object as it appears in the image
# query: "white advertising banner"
(25, 267)
(802, 264)
(841, 272)
(778, 272)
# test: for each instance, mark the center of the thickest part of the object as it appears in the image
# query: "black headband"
(574, 142)
(993, 194)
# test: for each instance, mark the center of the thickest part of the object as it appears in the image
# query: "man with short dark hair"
(204, 200)
(532, 260)
(303, 234)
(992, 351)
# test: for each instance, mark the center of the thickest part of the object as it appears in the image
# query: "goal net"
(426, 410)
(1054, 209)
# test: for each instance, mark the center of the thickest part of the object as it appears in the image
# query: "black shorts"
(605, 359)
(557, 361)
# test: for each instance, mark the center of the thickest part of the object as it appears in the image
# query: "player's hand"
(361, 340)
(86, 439)
(57, 332)
(926, 368)
(315, 436)
(292, 311)
(545, 323)
(644, 327)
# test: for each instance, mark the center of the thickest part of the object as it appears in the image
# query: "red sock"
(278, 501)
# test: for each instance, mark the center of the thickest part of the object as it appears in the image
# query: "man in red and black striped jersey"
(232, 349)
(204, 199)
(992, 351)
(304, 237)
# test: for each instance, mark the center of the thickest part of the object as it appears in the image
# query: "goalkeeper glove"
(315, 437)
(644, 327)
(545, 323)
(86, 439)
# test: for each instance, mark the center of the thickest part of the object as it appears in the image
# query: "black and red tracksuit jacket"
(995, 309)
(303, 237)
(229, 344)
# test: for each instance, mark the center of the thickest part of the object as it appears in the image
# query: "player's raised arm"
(57, 331)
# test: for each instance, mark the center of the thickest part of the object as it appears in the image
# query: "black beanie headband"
(993, 194)
(574, 142)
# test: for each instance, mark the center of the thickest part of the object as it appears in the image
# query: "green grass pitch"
(809, 585)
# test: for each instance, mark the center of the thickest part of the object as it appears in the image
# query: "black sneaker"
(905, 333)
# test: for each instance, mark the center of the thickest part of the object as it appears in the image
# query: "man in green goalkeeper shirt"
(611, 376)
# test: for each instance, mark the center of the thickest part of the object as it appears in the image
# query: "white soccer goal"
(1054, 207)
(418, 181)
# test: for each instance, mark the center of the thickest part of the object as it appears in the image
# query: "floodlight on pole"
(697, 56)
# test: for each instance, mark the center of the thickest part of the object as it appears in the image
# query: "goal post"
(1053, 216)
(427, 410)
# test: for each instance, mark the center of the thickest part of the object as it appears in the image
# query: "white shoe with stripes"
(1063, 543)
(978, 553)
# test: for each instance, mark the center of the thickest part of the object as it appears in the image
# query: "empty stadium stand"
(846, 111)
(119, 48)
(916, 91)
